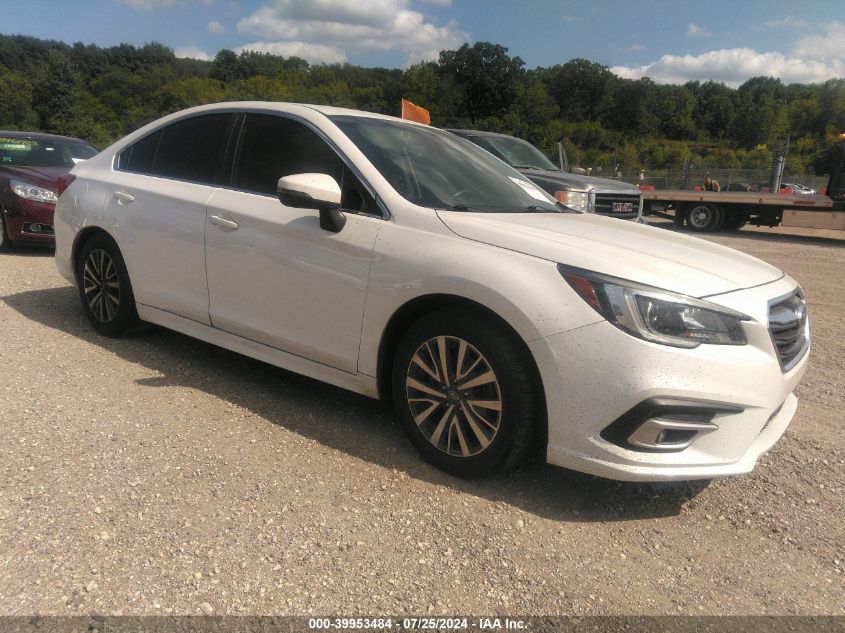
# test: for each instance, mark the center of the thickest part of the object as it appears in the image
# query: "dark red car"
(30, 167)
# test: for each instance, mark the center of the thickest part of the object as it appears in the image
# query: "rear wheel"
(5, 242)
(104, 287)
(466, 393)
(704, 217)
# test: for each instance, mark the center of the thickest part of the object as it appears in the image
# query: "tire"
(104, 287)
(735, 220)
(440, 419)
(5, 242)
(704, 217)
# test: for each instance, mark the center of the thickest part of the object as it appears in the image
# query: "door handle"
(123, 198)
(223, 222)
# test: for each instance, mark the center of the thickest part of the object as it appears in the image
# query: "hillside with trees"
(100, 94)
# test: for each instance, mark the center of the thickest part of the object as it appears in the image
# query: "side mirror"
(314, 191)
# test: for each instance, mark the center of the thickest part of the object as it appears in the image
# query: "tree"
(486, 76)
(225, 66)
(714, 110)
(16, 111)
(55, 92)
(578, 87)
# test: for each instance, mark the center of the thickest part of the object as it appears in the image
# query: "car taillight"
(63, 183)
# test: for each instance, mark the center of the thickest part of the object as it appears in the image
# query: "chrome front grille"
(616, 203)
(789, 329)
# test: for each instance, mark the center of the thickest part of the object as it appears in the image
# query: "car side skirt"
(359, 383)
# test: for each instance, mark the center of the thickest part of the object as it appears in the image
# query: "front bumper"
(22, 216)
(595, 374)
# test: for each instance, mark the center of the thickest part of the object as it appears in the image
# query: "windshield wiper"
(465, 207)
(536, 208)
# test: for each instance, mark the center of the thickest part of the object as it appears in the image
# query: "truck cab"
(603, 196)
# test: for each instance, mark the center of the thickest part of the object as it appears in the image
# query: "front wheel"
(466, 393)
(104, 287)
(704, 217)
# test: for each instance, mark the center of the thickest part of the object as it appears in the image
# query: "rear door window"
(192, 149)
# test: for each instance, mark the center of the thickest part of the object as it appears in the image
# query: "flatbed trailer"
(714, 210)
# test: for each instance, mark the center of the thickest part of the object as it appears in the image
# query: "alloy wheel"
(454, 396)
(101, 285)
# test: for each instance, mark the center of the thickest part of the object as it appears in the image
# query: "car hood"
(648, 255)
(568, 181)
(39, 176)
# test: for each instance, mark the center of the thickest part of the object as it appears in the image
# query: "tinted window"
(139, 157)
(190, 149)
(272, 147)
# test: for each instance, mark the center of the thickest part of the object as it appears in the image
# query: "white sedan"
(403, 262)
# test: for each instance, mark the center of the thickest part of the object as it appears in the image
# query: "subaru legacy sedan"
(405, 263)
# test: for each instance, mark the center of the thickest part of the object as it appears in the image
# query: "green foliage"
(101, 94)
(16, 111)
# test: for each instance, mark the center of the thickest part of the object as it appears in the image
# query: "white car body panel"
(281, 280)
(670, 261)
(280, 289)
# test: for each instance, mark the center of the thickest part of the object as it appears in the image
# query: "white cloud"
(193, 52)
(694, 30)
(312, 53)
(788, 22)
(439, 3)
(151, 5)
(733, 66)
(830, 45)
(383, 25)
(216, 27)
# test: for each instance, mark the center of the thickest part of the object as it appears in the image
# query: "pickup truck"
(589, 194)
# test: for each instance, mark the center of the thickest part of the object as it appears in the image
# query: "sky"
(799, 41)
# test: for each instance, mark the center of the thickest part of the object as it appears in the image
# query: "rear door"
(158, 196)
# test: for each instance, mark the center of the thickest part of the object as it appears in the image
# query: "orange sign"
(415, 113)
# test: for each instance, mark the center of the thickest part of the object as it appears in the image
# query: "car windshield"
(439, 170)
(515, 152)
(30, 152)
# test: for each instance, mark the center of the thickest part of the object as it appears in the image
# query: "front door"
(274, 276)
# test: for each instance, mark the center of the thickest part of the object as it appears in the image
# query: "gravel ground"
(158, 475)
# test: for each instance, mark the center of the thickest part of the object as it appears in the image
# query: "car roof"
(288, 107)
(39, 136)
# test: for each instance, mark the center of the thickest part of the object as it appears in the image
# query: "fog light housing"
(665, 425)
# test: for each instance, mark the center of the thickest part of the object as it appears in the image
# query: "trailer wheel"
(704, 217)
(735, 219)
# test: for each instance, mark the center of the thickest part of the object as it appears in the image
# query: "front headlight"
(32, 192)
(657, 315)
(578, 200)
